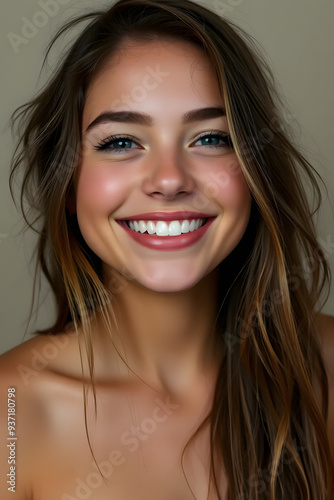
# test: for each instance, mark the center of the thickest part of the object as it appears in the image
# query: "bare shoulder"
(40, 355)
(33, 366)
(29, 374)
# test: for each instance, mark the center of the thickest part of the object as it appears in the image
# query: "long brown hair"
(265, 423)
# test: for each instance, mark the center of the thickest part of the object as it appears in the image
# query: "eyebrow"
(144, 119)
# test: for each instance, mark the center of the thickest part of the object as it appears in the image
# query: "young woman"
(189, 357)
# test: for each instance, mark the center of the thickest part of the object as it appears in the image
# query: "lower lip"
(167, 242)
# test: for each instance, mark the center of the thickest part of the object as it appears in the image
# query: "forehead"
(146, 76)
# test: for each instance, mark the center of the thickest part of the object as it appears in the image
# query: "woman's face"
(151, 155)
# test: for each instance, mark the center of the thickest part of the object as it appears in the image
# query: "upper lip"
(168, 216)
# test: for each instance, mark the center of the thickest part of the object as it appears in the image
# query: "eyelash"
(105, 145)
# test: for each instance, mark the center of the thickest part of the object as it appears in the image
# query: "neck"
(168, 339)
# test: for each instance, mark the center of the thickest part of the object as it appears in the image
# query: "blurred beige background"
(297, 37)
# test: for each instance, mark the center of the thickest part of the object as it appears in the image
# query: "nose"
(168, 178)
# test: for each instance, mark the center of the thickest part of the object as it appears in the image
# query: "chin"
(168, 289)
(170, 284)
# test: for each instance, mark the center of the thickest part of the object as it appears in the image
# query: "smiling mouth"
(165, 228)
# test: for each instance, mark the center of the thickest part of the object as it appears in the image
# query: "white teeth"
(185, 226)
(142, 226)
(174, 228)
(161, 228)
(150, 227)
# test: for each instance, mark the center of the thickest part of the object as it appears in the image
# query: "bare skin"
(139, 433)
(137, 439)
(164, 306)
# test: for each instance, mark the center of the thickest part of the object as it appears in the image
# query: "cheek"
(227, 185)
(235, 194)
(100, 188)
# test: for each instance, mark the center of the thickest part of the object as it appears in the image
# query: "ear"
(70, 202)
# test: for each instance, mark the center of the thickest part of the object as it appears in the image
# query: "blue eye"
(214, 140)
(122, 144)
(116, 144)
